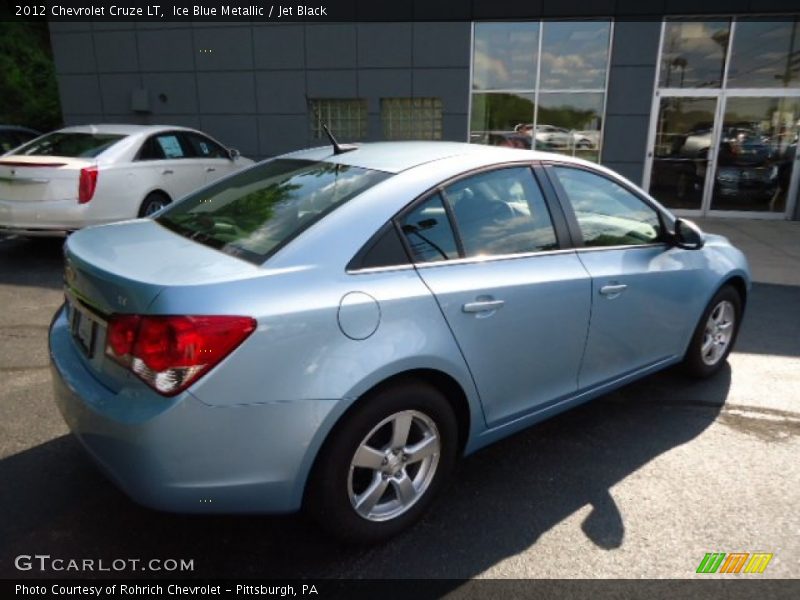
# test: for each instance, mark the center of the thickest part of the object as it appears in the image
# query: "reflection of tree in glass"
(270, 211)
(500, 112)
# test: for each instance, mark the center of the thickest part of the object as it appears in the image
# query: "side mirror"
(688, 235)
(233, 153)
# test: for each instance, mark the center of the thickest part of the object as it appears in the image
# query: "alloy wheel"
(394, 465)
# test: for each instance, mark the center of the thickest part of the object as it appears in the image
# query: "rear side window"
(428, 233)
(170, 145)
(501, 212)
(72, 145)
(255, 212)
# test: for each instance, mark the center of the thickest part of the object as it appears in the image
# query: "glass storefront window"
(732, 146)
(504, 56)
(502, 119)
(765, 54)
(570, 123)
(567, 81)
(574, 55)
(693, 54)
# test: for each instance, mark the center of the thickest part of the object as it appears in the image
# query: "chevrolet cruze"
(333, 328)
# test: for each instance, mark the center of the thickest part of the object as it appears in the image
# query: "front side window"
(255, 212)
(607, 213)
(72, 145)
(202, 147)
(501, 212)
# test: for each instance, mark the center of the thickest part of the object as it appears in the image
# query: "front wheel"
(715, 335)
(384, 464)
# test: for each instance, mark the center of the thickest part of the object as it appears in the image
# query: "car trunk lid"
(40, 178)
(120, 269)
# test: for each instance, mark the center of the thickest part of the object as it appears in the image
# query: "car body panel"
(646, 323)
(545, 298)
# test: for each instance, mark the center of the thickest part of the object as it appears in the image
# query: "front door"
(643, 291)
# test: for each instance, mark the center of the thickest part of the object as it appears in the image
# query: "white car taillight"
(87, 183)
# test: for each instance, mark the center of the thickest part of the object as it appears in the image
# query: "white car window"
(170, 145)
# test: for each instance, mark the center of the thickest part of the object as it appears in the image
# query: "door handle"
(209, 169)
(167, 172)
(612, 291)
(482, 306)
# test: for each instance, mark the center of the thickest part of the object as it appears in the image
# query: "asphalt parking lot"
(638, 484)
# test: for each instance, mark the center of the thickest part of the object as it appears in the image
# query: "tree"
(28, 89)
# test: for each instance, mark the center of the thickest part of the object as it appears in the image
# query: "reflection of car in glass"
(331, 330)
(12, 136)
(547, 137)
(559, 138)
(92, 174)
(747, 166)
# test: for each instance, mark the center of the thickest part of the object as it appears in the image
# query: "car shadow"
(31, 262)
(502, 500)
(772, 321)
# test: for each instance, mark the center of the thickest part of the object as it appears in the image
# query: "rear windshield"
(73, 145)
(255, 212)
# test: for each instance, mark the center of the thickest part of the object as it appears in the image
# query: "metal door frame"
(721, 96)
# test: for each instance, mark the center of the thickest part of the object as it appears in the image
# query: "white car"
(86, 175)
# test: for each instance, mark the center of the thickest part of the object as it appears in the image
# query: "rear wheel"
(154, 202)
(385, 463)
(715, 334)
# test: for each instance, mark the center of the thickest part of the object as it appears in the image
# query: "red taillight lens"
(170, 353)
(87, 184)
(120, 336)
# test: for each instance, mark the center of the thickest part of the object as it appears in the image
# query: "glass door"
(681, 150)
(726, 117)
(756, 154)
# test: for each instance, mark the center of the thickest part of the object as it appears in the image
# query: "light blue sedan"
(332, 329)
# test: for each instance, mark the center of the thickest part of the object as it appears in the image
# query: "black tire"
(152, 202)
(698, 363)
(333, 480)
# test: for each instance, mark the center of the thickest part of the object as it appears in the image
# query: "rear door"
(517, 303)
(641, 285)
(165, 162)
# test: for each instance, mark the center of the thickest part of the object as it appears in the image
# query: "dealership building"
(699, 106)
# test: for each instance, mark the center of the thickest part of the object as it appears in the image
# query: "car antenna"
(337, 147)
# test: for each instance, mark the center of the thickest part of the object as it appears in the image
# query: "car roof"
(394, 157)
(18, 128)
(121, 128)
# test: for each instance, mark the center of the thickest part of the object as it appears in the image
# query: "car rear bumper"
(50, 217)
(179, 454)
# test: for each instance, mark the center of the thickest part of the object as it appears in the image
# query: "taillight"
(87, 184)
(169, 353)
